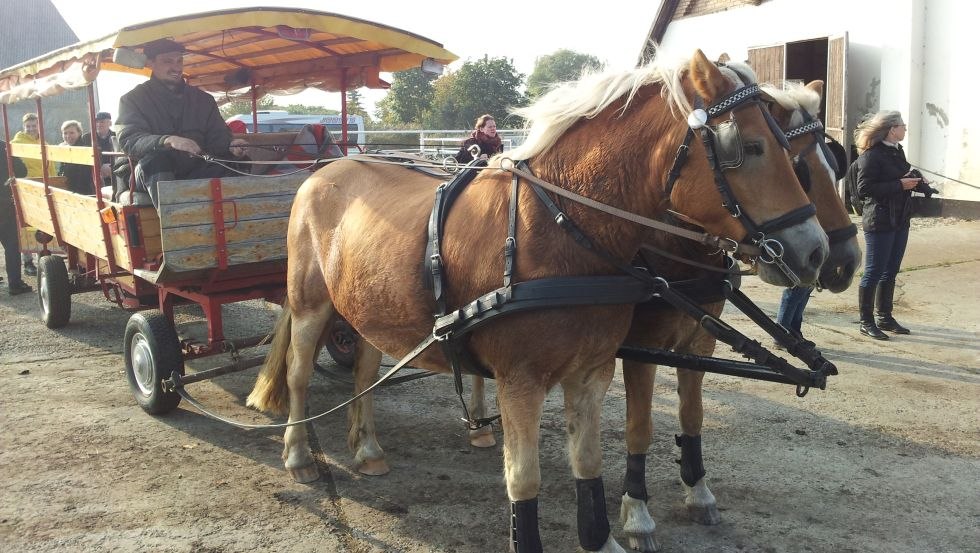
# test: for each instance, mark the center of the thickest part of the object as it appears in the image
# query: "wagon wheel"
(341, 339)
(152, 352)
(53, 291)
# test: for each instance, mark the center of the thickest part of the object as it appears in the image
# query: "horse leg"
(369, 458)
(634, 514)
(481, 437)
(521, 401)
(583, 409)
(701, 504)
(307, 327)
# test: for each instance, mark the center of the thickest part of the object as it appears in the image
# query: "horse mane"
(555, 112)
(793, 98)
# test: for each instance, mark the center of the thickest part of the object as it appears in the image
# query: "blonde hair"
(71, 123)
(875, 128)
(28, 117)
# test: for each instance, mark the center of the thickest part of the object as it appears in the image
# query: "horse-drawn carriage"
(212, 241)
(610, 172)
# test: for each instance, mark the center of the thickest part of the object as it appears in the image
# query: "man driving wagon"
(168, 124)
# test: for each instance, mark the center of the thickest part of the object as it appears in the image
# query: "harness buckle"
(442, 331)
(436, 263)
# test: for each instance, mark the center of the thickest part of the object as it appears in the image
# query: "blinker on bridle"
(724, 150)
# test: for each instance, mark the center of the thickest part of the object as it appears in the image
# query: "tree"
(561, 66)
(489, 85)
(354, 106)
(406, 102)
(244, 106)
(303, 109)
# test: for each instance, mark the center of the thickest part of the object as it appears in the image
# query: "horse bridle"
(815, 128)
(724, 149)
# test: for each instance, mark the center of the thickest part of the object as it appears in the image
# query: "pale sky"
(519, 30)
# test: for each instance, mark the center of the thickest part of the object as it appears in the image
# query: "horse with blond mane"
(659, 325)
(357, 233)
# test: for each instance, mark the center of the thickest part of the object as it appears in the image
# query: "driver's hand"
(237, 147)
(182, 144)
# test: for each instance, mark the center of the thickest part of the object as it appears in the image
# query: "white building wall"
(908, 55)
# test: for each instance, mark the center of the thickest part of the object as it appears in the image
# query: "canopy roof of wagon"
(280, 50)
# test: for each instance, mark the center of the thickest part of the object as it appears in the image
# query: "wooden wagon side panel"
(255, 213)
(77, 216)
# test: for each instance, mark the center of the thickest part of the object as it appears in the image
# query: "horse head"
(795, 110)
(613, 137)
(740, 183)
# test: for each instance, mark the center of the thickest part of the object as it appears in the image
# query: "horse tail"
(271, 393)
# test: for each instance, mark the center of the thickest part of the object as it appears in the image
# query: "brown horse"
(357, 233)
(659, 325)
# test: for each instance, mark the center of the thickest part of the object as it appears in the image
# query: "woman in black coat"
(885, 188)
(485, 136)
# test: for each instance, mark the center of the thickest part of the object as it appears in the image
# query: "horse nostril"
(817, 257)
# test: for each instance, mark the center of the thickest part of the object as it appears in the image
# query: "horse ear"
(816, 86)
(707, 79)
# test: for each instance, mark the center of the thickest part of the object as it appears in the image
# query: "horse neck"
(620, 161)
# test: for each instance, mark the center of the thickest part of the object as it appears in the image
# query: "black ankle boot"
(884, 299)
(866, 295)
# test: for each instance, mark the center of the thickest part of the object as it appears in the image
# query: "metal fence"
(436, 143)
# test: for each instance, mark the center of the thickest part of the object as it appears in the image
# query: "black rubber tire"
(341, 340)
(152, 353)
(53, 291)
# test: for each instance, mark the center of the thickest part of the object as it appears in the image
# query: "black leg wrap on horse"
(524, 537)
(635, 484)
(593, 524)
(692, 465)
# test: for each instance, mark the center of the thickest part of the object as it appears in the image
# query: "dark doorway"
(806, 61)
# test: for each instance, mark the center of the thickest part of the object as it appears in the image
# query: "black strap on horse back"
(541, 294)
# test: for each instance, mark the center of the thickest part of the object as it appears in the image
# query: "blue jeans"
(883, 255)
(791, 307)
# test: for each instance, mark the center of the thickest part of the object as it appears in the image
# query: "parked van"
(281, 120)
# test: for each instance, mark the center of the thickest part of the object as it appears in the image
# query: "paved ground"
(886, 460)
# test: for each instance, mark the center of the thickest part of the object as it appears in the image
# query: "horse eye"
(753, 148)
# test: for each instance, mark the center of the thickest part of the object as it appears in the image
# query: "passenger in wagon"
(78, 177)
(31, 134)
(106, 137)
(167, 124)
(485, 136)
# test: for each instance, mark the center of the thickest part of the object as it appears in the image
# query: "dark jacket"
(6, 197)
(151, 111)
(886, 206)
(486, 147)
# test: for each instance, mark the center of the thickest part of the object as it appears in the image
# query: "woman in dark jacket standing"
(485, 136)
(885, 188)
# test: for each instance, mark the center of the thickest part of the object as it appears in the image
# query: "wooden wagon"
(212, 241)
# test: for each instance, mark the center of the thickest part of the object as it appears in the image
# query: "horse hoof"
(707, 515)
(645, 543)
(374, 467)
(482, 439)
(305, 475)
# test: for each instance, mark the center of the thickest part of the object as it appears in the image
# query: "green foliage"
(303, 109)
(406, 102)
(244, 106)
(489, 85)
(561, 66)
(354, 106)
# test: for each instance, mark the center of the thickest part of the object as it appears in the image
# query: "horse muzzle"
(794, 255)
